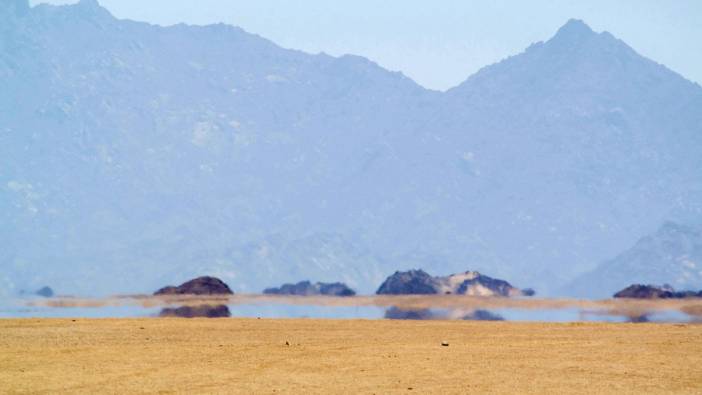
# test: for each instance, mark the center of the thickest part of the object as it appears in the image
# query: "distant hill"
(672, 255)
(136, 155)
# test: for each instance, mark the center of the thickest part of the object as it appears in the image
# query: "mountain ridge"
(156, 154)
(670, 255)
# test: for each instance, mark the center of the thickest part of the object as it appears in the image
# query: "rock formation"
(418, 282)
(45, 292)
(476, 284)
(639, 291)
(306, 288)
(413, 282)
(199, 286)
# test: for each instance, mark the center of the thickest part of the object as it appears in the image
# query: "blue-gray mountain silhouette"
(672, 255)
(135, 155)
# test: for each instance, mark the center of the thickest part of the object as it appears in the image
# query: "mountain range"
(136, 155)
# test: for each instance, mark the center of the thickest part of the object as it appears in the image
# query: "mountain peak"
(89, 5)
(91, 8)
(574, 30)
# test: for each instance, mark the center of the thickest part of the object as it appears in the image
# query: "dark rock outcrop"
(413, 282)
(303, 288)
(639, 291)
(418, 282)
(199, 286)
(480, 285)
(306, 288)
(335, 289)
(202, 311)
(687, 294)
(45, 292)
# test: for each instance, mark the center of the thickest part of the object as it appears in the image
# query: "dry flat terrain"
(328, 356)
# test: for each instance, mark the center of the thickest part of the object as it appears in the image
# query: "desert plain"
(272, 356)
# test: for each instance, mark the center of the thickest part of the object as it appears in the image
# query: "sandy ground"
(345, 356)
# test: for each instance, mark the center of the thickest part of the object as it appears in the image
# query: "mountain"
(570, 151)
(138, 151)
(672, 255)
(136, 155)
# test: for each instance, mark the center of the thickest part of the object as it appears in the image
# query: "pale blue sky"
(439, 43)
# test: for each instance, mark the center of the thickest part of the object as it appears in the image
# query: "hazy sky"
(439, 43)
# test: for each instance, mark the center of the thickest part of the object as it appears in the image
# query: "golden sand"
(346, 356)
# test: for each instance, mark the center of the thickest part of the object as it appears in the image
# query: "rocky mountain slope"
(671, 255)
(135, 155)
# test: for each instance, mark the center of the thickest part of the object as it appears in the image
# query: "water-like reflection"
(201, 311)
(260, 310)
(483, 315)
(395, 313)
(639, 319)
(78, 312)
(636, 317)
(357, 308)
